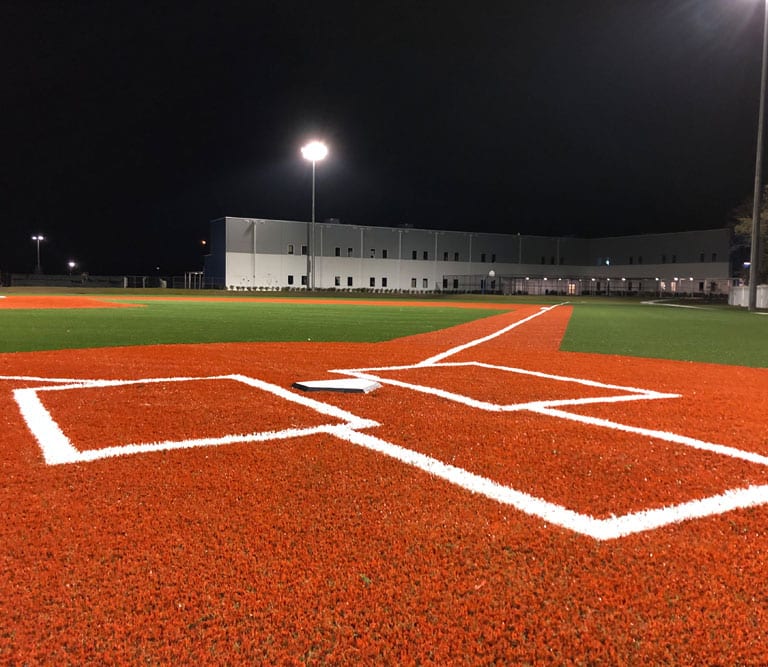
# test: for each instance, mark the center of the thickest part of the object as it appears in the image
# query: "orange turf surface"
(58, 301)
(315, 550)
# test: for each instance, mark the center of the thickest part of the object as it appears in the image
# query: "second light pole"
(37, 238)
(314, 151)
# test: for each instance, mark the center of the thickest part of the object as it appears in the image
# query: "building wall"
(250, 253)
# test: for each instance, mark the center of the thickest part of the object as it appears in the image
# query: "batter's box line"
(58, 449)
(46, 431)
(630, 393)
(548, 408)
(599, 529)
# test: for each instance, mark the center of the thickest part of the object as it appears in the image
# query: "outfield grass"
(716, 334)
(710, 333)
(155, 322)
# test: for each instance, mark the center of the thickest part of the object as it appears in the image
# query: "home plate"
(348, 385)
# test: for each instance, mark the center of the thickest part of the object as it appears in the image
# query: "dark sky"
(126, 127)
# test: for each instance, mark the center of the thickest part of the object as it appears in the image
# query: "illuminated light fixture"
(38, 238)
(314, 151)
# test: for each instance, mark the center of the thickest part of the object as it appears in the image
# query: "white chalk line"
(484, 339)
(598, 528)
(58, 449)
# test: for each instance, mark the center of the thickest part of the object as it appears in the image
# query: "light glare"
(314, 151)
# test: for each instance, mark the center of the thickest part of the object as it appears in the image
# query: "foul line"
(484, 339)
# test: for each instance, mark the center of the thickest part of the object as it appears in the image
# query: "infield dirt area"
(495, 501)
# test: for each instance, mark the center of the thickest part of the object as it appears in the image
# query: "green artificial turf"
(714, 334)
(155, 322)
(709, 333)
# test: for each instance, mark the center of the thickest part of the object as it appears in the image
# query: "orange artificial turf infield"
(314, 550)
(37, 302)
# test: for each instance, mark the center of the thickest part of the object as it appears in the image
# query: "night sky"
(127, 127)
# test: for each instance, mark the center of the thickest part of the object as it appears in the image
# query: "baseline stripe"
(485, 339)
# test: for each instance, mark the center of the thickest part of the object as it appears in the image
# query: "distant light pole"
(754, 254)
(37, 238)
(313, 151)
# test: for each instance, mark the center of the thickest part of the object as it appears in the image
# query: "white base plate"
(350, 385)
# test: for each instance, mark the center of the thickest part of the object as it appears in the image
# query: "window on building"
(372, 282)
(455, 283)
(290, 280)
(290, 248)
(303, 250)
(413, 254)
(455, 257)
(663, 259)
(350, 252)
(445, 256)
(543, 259)
(674, 259)
(425, 283)
(384, 281)
(384, 253)
(482, 256)
(714, 256)
(425, 254)
(493, 257)
(639, 259)
(337, 281)
(373, 252)
(350, 282)
(701, 257)
(337, 251)
(631, 259)
(552, 259)
(413, 282)
(445, 283)
(304, 280)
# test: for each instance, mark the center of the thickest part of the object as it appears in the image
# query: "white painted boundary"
(57, 449)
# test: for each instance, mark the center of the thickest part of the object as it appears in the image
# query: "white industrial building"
(259, 254)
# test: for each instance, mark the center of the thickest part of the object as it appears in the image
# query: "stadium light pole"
(37, 238)
(754, 253)
(314, 151)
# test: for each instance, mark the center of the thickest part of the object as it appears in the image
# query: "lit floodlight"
(314, 151)
(37, 238)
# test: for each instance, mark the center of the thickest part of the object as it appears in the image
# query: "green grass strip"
(713, 334)
(156, 322)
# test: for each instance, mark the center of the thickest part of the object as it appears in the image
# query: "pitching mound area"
(493, 500)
